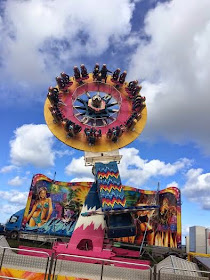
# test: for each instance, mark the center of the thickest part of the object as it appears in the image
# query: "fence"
(63, 265)
(179, 276)
(9, 257)
(99, 269)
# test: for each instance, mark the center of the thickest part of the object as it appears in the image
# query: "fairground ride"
(99, 114)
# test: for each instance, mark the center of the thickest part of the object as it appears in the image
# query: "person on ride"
(120, 130)
(99, 78)
(77, 128)
(132, 85)
(130, 123)
(96, 71)
(116, 74)
(70, 132)
(56, 113)
(53, 90)
(66, 78)
(84, 72)
(42, 209)
(92, 136)
(104, 72)
(53, 97)
(76, 73)
(66, 123)
(71, 128)
(87, 132)
(139, 103)
(98, 133)
(137, 90)
(109, 133)
(114, 134)
(122, 77)
(60, 82)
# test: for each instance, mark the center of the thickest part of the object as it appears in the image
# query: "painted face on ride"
(43, 194)
(165, 206)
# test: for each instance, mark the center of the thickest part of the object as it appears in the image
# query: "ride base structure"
(104, 213)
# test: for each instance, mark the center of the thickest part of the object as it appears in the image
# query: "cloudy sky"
(163, 44)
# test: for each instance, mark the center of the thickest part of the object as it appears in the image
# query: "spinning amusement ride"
(98, 113)
(94, 111)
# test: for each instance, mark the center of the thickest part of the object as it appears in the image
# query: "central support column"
(89, 232)
(111, 193)
(88, 236)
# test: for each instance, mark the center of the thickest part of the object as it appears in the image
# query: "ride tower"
(99, 114)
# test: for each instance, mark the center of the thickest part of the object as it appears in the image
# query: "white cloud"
(132, 40)
(137, 171)
(197, 187)
(14, 197)
(185, 230)
(49, 174)
(174, 62)
(77, 168)
(133, 169)
(174, 184)
(61, 153)
(7, 168)
(9, 209)
(16, 181)
(136, 1)
(33, 30)
(83, 179)
(32, 145)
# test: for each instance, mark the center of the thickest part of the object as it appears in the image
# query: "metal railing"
(47, 256)
(182, 269)
(103, 263)
(103, 268)
(10, 278)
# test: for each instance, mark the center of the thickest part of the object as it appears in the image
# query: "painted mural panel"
(28, 275)
(21, 274)
(161, 227)
(53, 207)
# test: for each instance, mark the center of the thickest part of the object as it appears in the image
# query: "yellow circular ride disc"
(103, 144)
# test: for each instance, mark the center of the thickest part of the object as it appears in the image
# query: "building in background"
(187, 244)
(208, 240)
(198, 240)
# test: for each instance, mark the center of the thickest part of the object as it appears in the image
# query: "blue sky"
(163, 44)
